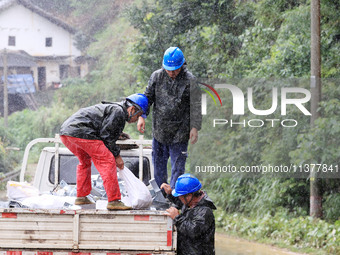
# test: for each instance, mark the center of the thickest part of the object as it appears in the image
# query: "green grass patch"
(299, 234)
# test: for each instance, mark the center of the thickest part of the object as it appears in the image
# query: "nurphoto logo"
(289, 97)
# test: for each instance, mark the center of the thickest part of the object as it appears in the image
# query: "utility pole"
(315, 85)
(5, 89)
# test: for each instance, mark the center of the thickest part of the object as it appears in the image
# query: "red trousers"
(104, 161)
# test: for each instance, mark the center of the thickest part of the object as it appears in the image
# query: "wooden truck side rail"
(86, 230)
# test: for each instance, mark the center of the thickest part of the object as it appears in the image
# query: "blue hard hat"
(185, 184)
(141, 100)
(173, 59)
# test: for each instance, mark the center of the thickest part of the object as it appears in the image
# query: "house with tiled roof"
(39, 43)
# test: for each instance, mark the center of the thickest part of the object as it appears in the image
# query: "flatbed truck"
(26, 231)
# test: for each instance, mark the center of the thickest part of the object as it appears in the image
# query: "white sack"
(139, 196)
(20, 190)
(47, 201)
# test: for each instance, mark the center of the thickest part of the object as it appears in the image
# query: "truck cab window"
(68, 162)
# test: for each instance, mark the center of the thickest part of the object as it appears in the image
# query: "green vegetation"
(8, 158)
(304, 234)
(229, 40)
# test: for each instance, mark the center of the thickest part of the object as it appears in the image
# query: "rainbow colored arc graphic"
(210, 94)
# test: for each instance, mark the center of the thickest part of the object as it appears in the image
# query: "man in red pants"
(91, 134)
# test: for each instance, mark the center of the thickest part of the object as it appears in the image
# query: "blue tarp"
(20, 83)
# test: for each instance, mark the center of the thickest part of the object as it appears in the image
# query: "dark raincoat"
(196, 229)
(174, 114)
(98, 122)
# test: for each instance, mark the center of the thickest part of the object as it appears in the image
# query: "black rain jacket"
(196, 229)
(176, 105)
(98, 122)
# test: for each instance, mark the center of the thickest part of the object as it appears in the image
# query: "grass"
(302, 234)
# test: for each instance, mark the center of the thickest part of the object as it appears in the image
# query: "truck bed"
(86, 230)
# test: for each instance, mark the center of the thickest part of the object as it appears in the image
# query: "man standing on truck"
(176, 100)
(91, 134)
(196, 223)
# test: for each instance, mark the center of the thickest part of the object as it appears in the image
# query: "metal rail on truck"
(56, 140)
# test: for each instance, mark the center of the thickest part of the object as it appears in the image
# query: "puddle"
(225, 245)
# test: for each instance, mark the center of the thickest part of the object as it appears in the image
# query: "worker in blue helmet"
(173, 59)
(196, 222)
(91, 134)
(140, 101)
(173, 93)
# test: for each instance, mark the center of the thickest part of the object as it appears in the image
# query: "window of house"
(11, 40)
(48, 42)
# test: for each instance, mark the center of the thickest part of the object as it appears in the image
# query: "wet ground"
(226, 245)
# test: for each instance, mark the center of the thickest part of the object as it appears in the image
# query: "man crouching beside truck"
(196, 223)
(91, 134)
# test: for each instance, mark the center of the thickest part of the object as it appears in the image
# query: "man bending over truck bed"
(91, 134)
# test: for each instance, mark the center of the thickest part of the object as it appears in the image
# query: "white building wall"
(52, 72)
(31, 30)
